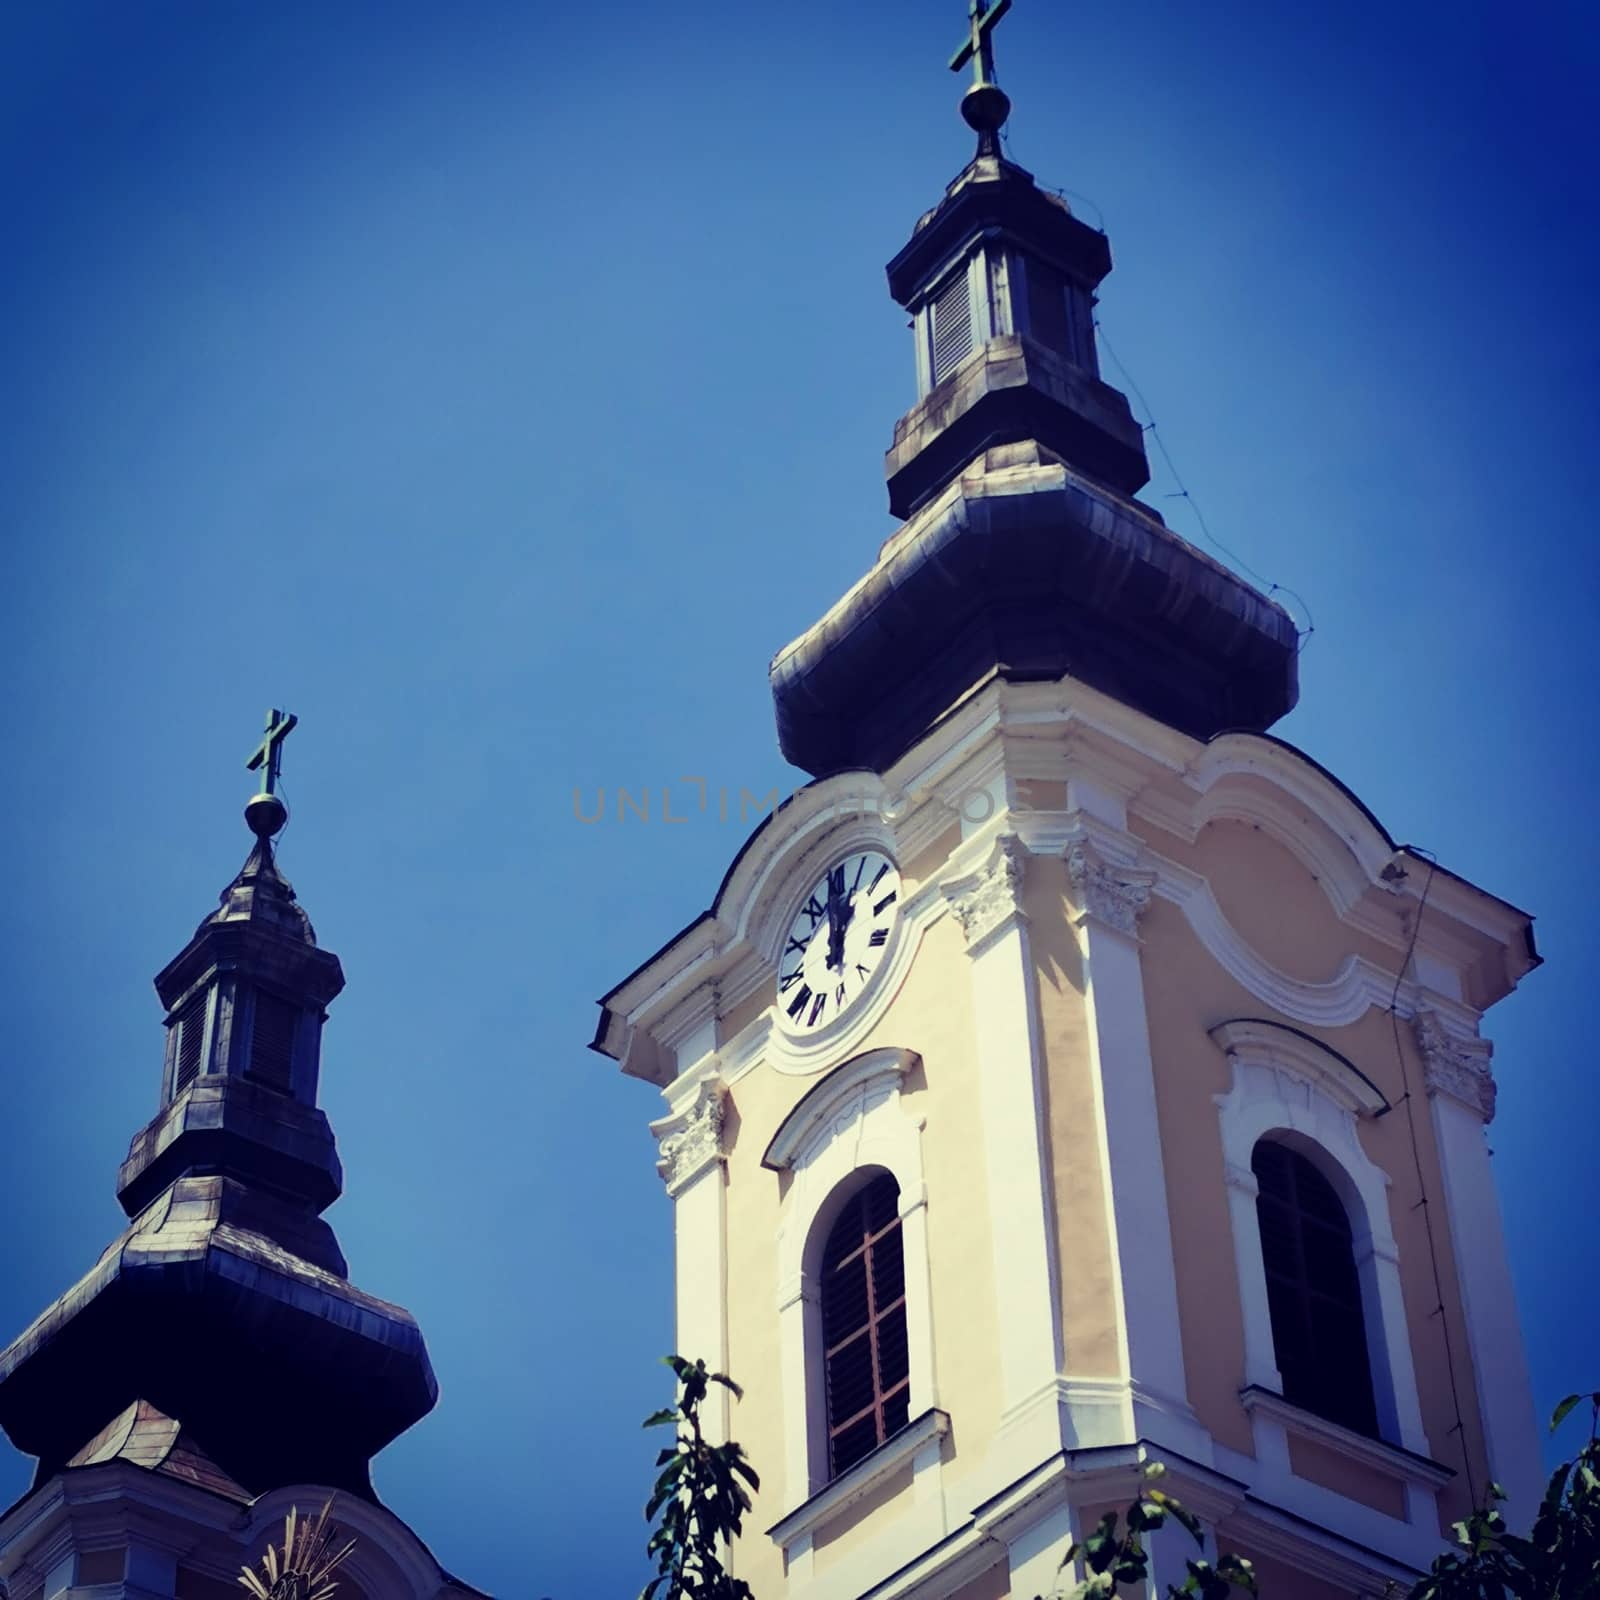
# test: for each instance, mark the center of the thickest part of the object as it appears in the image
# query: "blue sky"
(498, 386)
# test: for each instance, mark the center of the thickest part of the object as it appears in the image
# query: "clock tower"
(1073, 1074)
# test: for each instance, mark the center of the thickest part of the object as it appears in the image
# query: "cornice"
(1003, 732)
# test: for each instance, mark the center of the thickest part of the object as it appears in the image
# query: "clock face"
(837, 940)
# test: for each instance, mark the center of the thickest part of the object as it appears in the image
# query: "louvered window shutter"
(864, 1325)
(1313, 1290)
(191, 1041)
(952, 326)
(272, 1041)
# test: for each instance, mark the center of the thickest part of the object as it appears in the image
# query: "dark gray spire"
(226, 1305)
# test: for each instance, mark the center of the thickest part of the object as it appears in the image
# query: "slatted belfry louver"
(952, 326)
(864, 1325)
(191, 1040)
(272, 1041)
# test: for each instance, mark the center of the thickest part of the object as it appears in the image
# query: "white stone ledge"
(1390, 1459)
(865, 1476)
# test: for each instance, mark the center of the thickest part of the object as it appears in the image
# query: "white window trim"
(862, 1478)
(1286, 1083)
(854, 1118)
(1389, 1459)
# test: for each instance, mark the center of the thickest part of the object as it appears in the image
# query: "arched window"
(1319, 1334)
(863, 1294)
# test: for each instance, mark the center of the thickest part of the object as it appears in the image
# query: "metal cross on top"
(268, 755)
(979, 46)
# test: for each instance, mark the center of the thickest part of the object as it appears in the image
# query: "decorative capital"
(1454, 1066)
(990, 899)
(693, 1140)
(1115, 895)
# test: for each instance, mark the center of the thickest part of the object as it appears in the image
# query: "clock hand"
(838, 916)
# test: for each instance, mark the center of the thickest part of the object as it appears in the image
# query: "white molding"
(834, 1099)
(690, 1139)
(1263, 1043)
(988, 901)
(1113, 887)
(1346, 997)
(840, 1128)
(1280, 1097)
(1454, 1066)
(865, 1476)
(1014, 1134)
(1489, 1305)
(693, 1164)
(1385, 1458)
(1412, 1538)
(1116, 894)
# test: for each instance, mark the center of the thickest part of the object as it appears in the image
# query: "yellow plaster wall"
(1316, 1463)
(1275, 900)
(1275, 1579)
(1090, 1333)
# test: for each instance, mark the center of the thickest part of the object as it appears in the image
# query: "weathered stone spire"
(225, 1306)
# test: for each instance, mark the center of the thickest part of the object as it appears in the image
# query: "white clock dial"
(837, 940)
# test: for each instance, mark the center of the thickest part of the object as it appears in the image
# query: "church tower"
(216, 1367)
(1073, 1074)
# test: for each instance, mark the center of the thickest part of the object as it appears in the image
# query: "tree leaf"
(1559, 1415)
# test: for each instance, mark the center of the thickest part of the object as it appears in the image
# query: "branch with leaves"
(1115, 1553)
(1559, 1559)
(698, 1497)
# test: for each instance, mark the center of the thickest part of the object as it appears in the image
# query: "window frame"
(852, 1123)
(1290, 1086)
(886, 1388)
(1301, 1289)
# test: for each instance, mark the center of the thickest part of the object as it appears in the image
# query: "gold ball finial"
(265, 815)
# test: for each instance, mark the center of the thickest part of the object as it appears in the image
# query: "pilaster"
(987, 904)
(692, 1164)
(1112, 892)
(1461, 1099)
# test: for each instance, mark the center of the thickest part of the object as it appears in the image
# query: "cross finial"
(984, 105)
(978, 47)
(268, 755)
(266, 813)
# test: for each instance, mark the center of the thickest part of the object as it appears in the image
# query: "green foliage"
(698, 1498)
(1115, 1554)
(699, 1502)
(1560, 1558)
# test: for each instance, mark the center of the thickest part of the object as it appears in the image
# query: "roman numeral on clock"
(880, 936)
(798, 1004)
